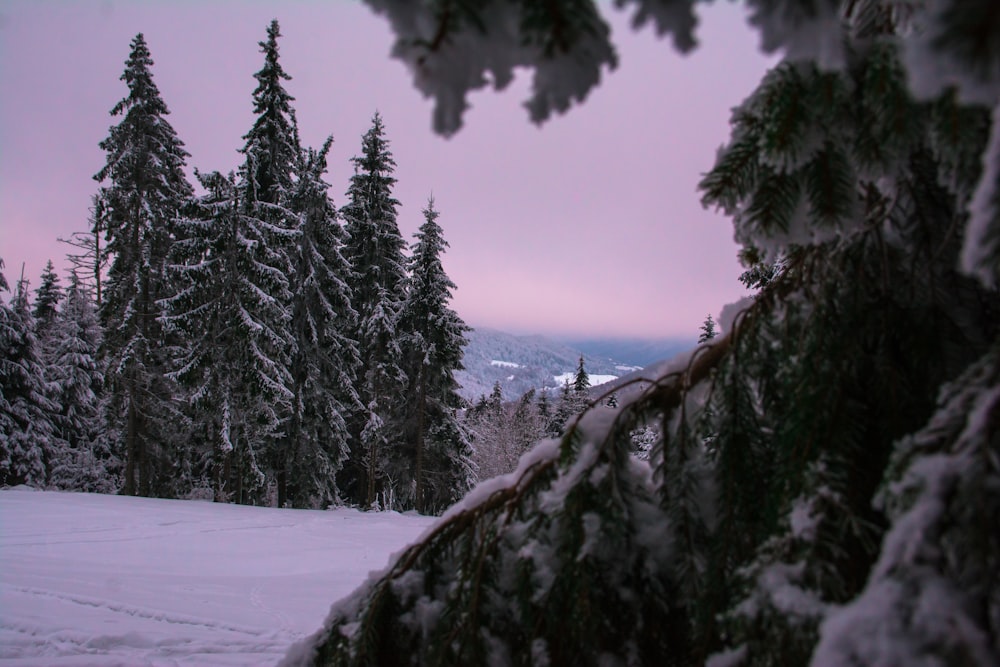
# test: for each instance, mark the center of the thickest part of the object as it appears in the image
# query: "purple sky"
(589, 225)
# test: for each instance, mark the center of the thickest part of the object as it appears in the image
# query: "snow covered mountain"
(521, 363)
(631, 351)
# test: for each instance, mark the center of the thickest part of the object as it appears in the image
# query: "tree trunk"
(238, 456)
(421, 419)
(282, 476)
(131, 447)
(372, 469)
(223, 470)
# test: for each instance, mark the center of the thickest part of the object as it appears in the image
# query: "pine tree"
(145, 188)
(86, 464)
(267, 186)
(565, 409)
(272, 147)
(432, 341)
(326, 357)
(235, 360)
(27, 434)
(581, 380)
(374, 250)
(44, 322)
(707, 330)
(47, 298)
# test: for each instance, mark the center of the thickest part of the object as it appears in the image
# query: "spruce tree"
(374, 250)
(145, 188)
(544, 407)
(235, 360)
(44, 321)
(272, 148)
(325, 361)
(266, 187)
(707, 330)
(47, 298)
(87, 464)
(433, 338)
(28, 445)
(581, 380)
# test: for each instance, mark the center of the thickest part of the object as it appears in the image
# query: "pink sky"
(589, 225)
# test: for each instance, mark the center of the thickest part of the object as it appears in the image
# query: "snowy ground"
(107, 580)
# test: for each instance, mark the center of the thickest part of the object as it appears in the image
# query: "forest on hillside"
(244, 340)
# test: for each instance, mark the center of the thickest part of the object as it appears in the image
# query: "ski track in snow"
(88, 580)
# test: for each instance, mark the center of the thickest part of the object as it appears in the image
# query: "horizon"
(523, 208)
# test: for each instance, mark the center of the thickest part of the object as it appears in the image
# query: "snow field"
(88, 579)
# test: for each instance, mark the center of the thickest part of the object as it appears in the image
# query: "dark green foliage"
(266, 187)
(548, 38)
(581, 381)
(967, 32)
(272, 144)
(957, 134)
(934, 595)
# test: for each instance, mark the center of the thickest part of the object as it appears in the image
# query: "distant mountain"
(631, 351)
(521, 363)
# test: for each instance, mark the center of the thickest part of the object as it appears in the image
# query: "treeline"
(247, 342)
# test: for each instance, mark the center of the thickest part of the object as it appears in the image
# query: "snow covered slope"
(109, 580)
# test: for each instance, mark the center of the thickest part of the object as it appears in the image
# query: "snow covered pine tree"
(146, 186)
(374, 250)
(326, 356)
(231, 301)
(27, 412)
(86, 463)
(840, 505)
(433, 337)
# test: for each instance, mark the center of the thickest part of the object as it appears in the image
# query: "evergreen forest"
(239, 338)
